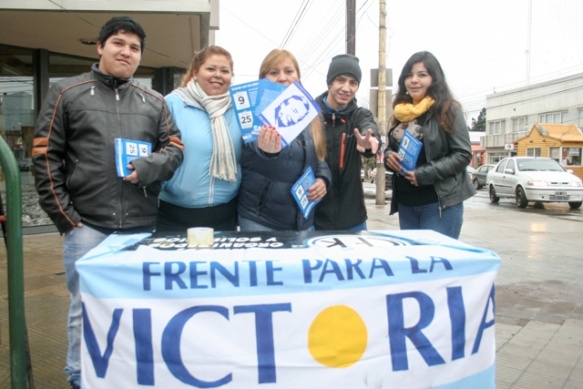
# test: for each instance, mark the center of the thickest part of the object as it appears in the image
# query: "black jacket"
(448, 155)
(265, 193)
(343, 207)
(74, 153)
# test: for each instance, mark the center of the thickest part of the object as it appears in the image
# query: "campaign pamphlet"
(299, 192)
(247, 99)
(287, 108)
(409, 150)
(244, 98)
(268, 91)
(126, 150)
(291, 112)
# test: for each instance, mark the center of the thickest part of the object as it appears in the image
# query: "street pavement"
(539, 287)
(539, 308)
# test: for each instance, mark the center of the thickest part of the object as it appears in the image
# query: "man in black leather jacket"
(74, 157)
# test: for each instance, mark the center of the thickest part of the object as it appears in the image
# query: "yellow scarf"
(406, 112)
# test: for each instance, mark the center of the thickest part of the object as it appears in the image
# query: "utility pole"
(351, 27)
(381, 102)
(528, 36)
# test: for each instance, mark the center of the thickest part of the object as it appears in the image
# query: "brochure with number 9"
(247, 99)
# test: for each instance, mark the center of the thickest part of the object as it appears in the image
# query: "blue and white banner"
(410, 309)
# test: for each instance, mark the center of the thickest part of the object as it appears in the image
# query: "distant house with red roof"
(478, 151)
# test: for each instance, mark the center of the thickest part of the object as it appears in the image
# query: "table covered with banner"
(376, 309)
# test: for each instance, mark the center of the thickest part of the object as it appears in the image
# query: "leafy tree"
(480, 123)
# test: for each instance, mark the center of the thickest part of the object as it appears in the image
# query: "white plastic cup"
(200, 237)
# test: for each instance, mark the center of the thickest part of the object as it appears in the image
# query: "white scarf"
(223, 164)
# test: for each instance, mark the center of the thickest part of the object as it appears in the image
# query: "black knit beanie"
(344, 64)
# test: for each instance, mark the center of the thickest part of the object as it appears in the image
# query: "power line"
(320, 48)
(326, 31)
(362, 6)
(295, 22)
(250, 26)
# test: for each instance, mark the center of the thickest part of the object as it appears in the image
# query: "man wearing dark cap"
(74, 158)
(351, 132)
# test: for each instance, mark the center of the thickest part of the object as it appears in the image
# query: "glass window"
(555, 153)
(494, 158)
(533, 152)
(496, 127)
(501, 166)
(580, 118)
(571, 156)
(539, 164)
(17, 111)
(519, 124)
(511, 165)
(554, 117)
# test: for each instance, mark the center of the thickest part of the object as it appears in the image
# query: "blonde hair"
(270, 61)
(200, 57)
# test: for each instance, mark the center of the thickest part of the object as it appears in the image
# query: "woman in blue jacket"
(203, 191)
(269, 171)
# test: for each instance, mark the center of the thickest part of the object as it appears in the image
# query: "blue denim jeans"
(428, 217)
(76, 244)
(250, 225)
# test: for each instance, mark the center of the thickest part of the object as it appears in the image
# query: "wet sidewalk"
(539, 312)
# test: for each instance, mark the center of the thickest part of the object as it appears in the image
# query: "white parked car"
(534, 179)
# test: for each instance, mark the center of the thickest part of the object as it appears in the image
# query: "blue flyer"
(244, 99)
(290, 112)
(126, 150)
(409, 150)
(268, 91)
(299, 192)
(249, 99)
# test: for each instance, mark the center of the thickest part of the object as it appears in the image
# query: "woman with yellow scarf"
(431, 195)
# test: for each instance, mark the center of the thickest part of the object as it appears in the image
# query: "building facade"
(43, 41)
(512, 114)
(561, 142)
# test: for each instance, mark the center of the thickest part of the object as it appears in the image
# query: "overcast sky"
(482, 44)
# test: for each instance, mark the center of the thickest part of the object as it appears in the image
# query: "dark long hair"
(438, 90)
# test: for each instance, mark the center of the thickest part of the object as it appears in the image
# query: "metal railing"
(16, 314)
